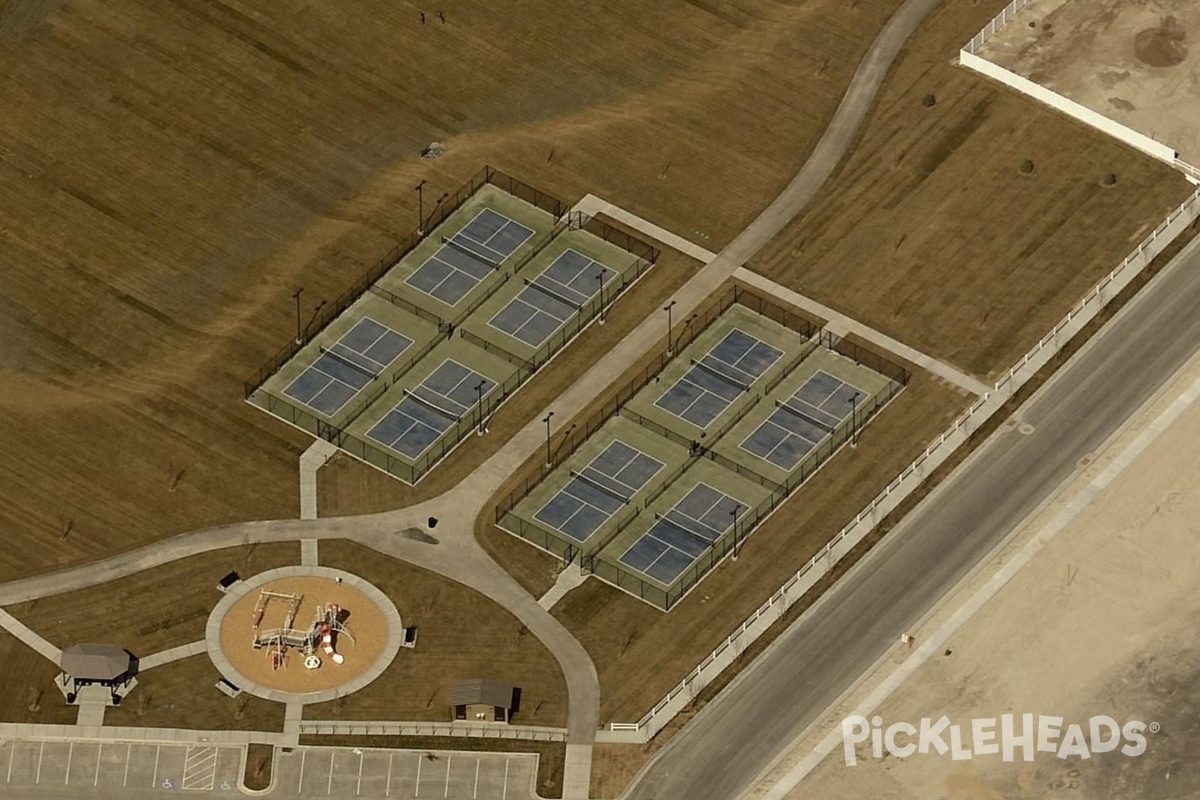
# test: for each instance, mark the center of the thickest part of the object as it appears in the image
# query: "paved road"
(740, 733)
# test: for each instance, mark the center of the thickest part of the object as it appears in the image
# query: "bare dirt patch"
(1130, 61)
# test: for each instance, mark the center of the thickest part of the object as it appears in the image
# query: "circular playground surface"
(303, 634)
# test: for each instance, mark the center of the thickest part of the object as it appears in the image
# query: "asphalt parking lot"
(54, 770)
(109, 769)
(341, 772)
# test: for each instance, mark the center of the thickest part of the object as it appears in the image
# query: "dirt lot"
(460, 635)
(931, 233)
(640, 652)
(1128, 558)
(163, 196)
(1135, 63)
(152, 610)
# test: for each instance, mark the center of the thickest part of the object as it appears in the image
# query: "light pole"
(313, 318)
(733, 514)
(547, 421)
(854, 420)
(479, 389)
(600, 280)
(421, 208)
(436, 206)
(667, 309)
(296, 297)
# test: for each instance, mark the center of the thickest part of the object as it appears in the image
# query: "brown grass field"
(29, 677)
(164, 193)
(151, 610)
(460, 634)
(183, 694)
(930, 232)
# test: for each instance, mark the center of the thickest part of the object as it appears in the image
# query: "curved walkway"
(456, 554)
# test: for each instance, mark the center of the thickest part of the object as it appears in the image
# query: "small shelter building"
(481, 699)
(104, 665)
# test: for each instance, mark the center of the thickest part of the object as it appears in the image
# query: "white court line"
(332, 755)
(125, 780)
(505, 794)
(476, 792)
(447, 792)
(70, 754)
(99, 758)
(41, 751)
(417, 786)
(388, 790)
(157, 753)
(300, 786)
(358, 791)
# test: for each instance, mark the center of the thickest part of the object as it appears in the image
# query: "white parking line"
(358, 791)
(70, 754)
(417, 786)
(329, 789)
(447, 792)
(300, 786)
(475, 793)
(388, 792)
(157, 753)
(128, 749)
(99, 758)
(504, 795)
(12, 750)
(41, 751)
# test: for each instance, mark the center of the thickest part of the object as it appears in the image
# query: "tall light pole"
(479, 389)
(854, 420)
(547, 421)
(421, 208)
(733, 514)
(313, 318)
(600, 280)
(667, 308)
(296, 297)
(436, 206)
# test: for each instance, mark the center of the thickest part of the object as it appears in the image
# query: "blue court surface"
(801, 422)
(346, 367)
(599, 490)
(728, 369)
(683, 533)
(428, 411)
(552, 297)
(468, 256)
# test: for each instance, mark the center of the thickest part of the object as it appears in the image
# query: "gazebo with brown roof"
(103, 664)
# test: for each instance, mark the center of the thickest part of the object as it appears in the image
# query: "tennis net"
(462, 248)
(554, 295)
(434, 407)
(806, 417)
(336, 356)
(716, 373)
(595, 484)
(705, 532)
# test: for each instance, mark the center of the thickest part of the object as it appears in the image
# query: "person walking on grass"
(441, 17)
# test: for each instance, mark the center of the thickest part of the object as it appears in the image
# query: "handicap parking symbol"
(166, 784)
(225, 787)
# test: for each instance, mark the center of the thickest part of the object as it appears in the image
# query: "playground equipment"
(326, 626)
